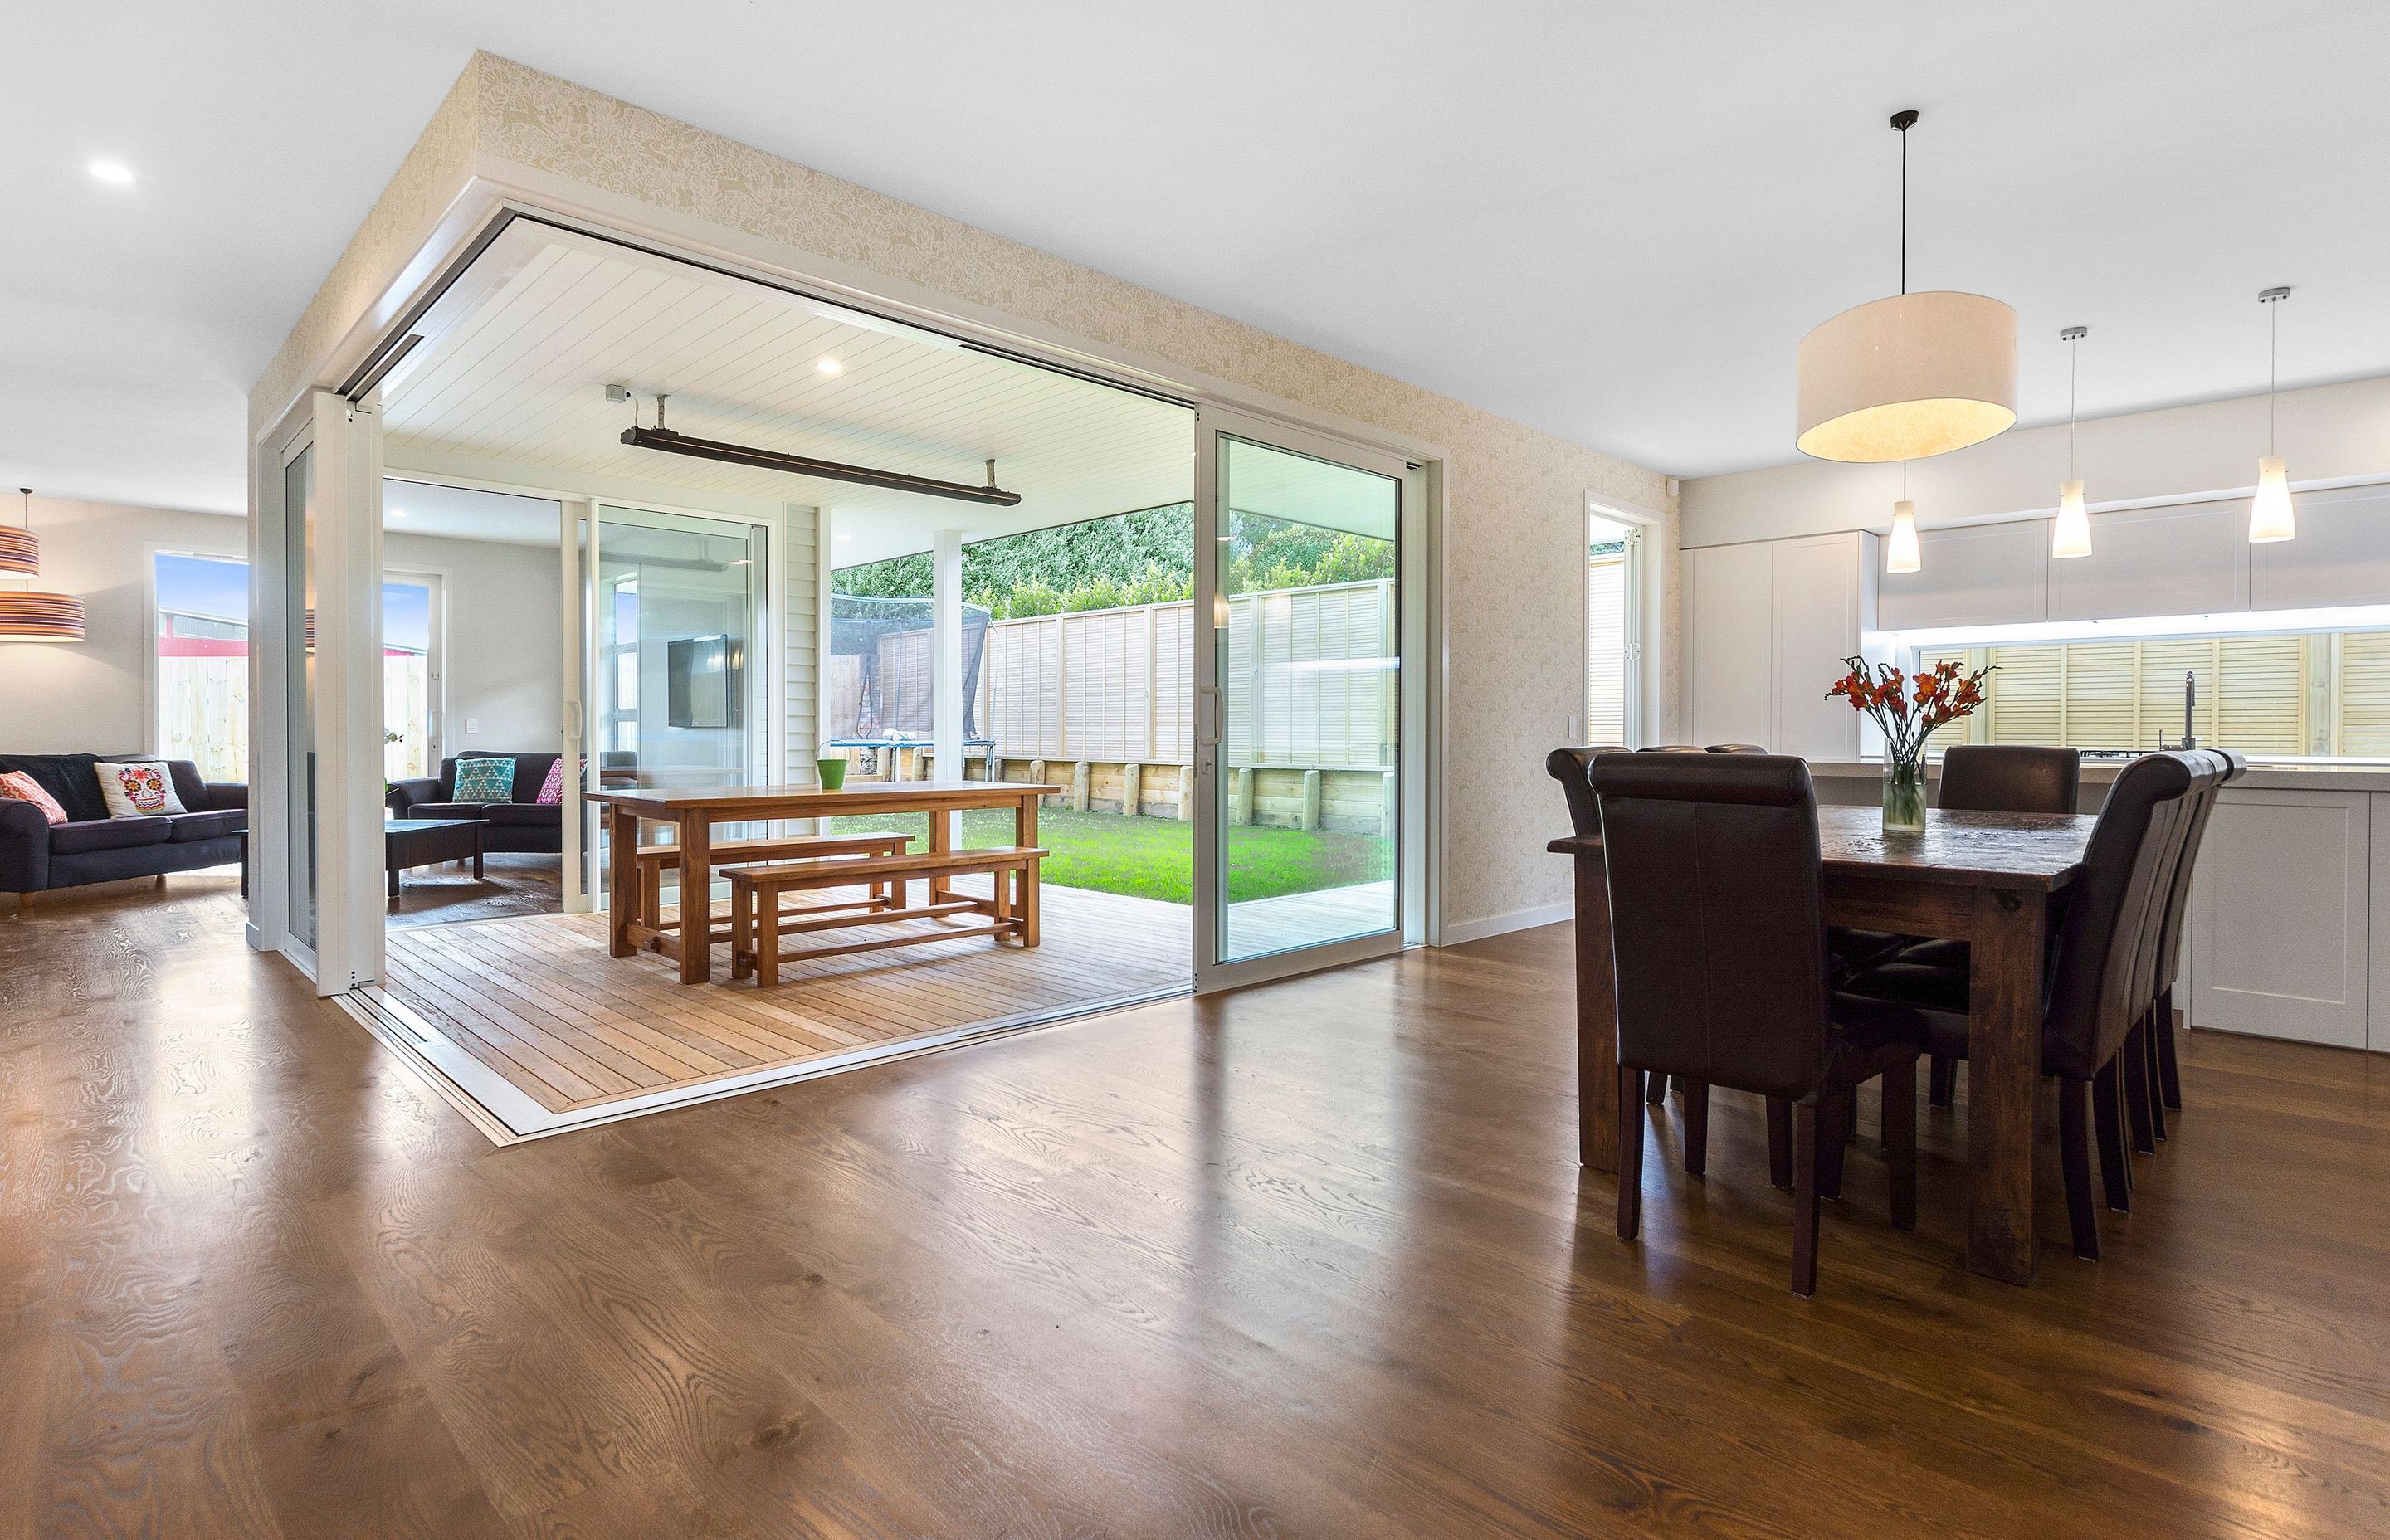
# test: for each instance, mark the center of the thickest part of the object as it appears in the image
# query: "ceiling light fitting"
(660, 437)
(20, 550)
(30, 615)
(1900, 553)
(2071, 535)
(2271, 515)
(1908, 377)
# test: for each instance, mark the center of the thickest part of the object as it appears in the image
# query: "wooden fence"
(1310, 682)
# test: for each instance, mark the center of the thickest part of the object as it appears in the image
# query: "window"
(2323, 694)
(410, 674)
(1610, 650)
(201, 679)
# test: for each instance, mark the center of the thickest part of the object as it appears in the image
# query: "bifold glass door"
(1302, 786)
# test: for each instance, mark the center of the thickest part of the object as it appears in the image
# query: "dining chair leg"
(1656, 1093)
(1941, 1087)
(2074, 1163)
(1630, 1155)
(1779, 1142)
(1697, 1124)
(2133, 1067)
(2155, 1102)
(2108, 1125)
(2169, 1076)
(1813, 1135)
(1900, 1141)
(1834, 1118)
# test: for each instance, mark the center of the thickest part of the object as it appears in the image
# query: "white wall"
(2330, 433)
(88, 697)
(504, 632)
(504, 629)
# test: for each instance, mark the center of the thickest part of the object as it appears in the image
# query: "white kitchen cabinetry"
(1765, 626)
(1976, 574)
(2282, 915)
(2187, 559)
(2341, 557)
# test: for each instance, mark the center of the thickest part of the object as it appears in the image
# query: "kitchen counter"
(1833, 777)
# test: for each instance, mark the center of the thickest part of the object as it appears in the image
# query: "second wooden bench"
(757, 921)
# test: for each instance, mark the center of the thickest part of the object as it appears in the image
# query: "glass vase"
(1904, 796)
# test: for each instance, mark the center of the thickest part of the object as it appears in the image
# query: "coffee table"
(427, 842)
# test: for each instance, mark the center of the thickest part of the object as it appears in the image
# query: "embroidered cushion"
(19, 787)
(138, 789)
(552, 788)
(491, 779)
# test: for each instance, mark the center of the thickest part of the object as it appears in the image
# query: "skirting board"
(1521, 920)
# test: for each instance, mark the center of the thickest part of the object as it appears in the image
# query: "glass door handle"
(1207, 716)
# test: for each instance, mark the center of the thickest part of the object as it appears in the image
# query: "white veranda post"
(946, 636)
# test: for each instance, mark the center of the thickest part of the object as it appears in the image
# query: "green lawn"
(1154, 857)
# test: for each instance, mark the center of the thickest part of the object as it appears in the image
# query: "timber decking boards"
(540, 1002)
(1311, 1259)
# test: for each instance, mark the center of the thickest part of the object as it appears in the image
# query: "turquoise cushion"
(485, 780)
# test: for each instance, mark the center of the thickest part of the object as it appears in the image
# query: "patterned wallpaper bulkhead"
(1515, 497)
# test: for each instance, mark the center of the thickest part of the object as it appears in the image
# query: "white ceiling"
(1612, 221)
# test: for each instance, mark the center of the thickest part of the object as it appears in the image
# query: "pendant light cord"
(2070, 405)
(1904, 211)
(2273, 358)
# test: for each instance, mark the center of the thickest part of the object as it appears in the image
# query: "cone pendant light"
(1908, 377)
(1900, 553)
(2071, 536)
(2271, 514)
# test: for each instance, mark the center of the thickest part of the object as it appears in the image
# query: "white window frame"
(1646, 596)
(152, 741)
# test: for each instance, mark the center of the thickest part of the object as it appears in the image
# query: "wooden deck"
(537, 1002)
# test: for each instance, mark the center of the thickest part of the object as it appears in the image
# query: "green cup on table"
(833, 772)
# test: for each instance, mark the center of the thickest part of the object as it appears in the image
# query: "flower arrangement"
(1908, 709)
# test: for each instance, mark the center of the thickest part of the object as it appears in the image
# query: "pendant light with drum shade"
(2071, 536)
(29, 614)
(1908, 377)
(2271, 514)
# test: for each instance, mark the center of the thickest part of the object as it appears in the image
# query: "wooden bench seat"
(654, 860)
(757, 921)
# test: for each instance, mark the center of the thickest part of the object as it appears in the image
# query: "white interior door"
(1308, 821)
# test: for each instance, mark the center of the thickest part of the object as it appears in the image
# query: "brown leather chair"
(1734, 748)
(2010, 777)
(1990, 778)
(1672, 749)
(2102, 975)
(1573, 768)
(1718, 918)
(2164, 1077)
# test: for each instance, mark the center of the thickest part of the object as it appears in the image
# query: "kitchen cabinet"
(2283, 914)
(2190, 559)
(1976, 574)
(2341, 557)
(1766, 624)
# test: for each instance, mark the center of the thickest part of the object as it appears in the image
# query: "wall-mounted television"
(705, 678)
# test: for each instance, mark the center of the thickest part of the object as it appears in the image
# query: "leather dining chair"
(2164, 1075)
(1734, 748)
(1990, 778)
(1573, 769)
(1672, 749)
(2103, 976)
(1716, 879)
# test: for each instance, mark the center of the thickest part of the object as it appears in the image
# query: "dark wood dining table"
(1991, 880)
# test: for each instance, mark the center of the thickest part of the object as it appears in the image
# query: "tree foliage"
(1129, 559)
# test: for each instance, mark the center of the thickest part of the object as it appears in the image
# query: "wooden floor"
(1308, 1261)
(539, 1002)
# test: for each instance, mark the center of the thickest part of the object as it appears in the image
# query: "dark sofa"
(37, 856)
(525, 824)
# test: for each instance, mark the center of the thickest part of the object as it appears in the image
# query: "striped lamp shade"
(21, 553)
(28, 615)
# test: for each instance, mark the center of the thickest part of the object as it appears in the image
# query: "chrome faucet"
(2189, 706)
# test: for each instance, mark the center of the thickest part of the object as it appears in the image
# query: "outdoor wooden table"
(1987, 879)
(694, 811)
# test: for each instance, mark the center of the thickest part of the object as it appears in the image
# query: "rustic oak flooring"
(1313, 1260)
(542, 1003)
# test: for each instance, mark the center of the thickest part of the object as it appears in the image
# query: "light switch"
(472, 725)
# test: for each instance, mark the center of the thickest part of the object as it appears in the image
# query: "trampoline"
(879, 685)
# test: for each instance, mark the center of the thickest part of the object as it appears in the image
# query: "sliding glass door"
(670, 681)
(1303, 788)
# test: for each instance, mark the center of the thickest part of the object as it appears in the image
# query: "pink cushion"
(17, 785)
(551, 790)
